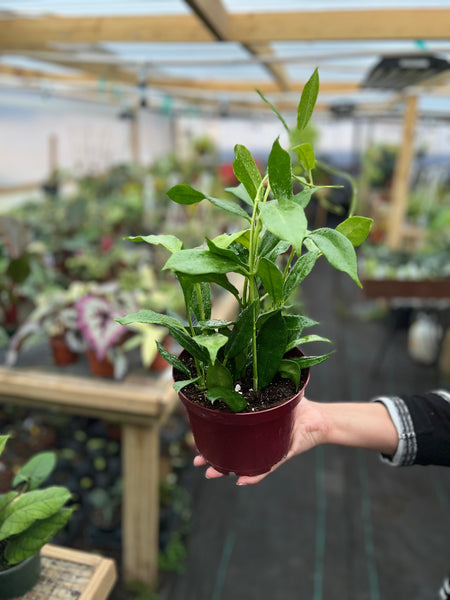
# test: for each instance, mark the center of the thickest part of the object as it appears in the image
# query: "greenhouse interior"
(186, 185)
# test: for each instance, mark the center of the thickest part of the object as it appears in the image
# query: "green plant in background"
(265, 328)
(30, 517)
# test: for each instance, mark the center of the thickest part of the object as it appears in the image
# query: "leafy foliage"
(31, 517)
(274, 223)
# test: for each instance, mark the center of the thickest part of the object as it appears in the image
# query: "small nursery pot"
(20, 578)
(244, 443)
(62, 354)
(101, 368)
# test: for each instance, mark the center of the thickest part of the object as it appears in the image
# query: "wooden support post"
(400, 188)
(52, 153)
(134, 138)
(140, 509)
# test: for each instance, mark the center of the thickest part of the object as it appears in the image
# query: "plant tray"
(67, 574)
(392, 288)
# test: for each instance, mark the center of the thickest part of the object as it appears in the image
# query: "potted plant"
(241, 380)
(30, 516)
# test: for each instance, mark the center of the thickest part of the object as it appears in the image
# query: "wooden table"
(140, 405)
(67, 574)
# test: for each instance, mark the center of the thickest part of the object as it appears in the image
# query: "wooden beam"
(276, 69)
(400, 187)
(341, 25)
(28, 73)
(247, 28)
(214, 16)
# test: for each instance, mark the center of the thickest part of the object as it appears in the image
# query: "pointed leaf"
(171, 242)
(197, 261)
(299, 271)
(232, 399)
(303, 197)
(213, 343)
(230, 207)
(298, 322)
(185, 194)
(246, 170)
(179, 385)
(32, 506)
(307, 101)
(36, 470)
(290, 370)
(150, 316)
(304, 362)
(272, 279)
(299, 341)
(271, 346)
(224, 240)
(356, 229)
(172, 359)
(280, 174)
(285, 220)
(3, 441)
(189, 344)
(29, 542)
(306, 156)
(338, 250)
(241, 193)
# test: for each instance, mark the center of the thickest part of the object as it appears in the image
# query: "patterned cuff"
(407, 443)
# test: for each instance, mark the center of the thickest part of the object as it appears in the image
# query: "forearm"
(359, 425)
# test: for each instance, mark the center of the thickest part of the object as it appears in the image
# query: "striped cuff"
(407, 443)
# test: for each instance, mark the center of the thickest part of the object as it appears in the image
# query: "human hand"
(309, 431)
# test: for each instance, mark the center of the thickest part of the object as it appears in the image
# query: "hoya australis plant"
(274, 226)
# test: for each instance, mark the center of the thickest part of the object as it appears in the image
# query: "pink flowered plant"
(96, 321)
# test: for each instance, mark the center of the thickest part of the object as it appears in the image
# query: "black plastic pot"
(17, 580)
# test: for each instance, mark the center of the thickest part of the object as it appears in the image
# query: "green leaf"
(29, 542)
(6, 499)
(303, 197)
(306, 156)
(201, 300)
(246, 170)
(298, 322)
(30, 507)
(290, 370)
(172, 359)
(150, 316)
(299, 341)
(197, 261)
(215, 324)
(219, 376)
(298, 272)
(356, 229)
(241, 193)
(338, 250)
(232, 399)
(189, 344)
(279, 170)
(220, 251)
(179, 385)
(272, 279)
(229, 206)
(275, 110)
(304, 362)
(218, 279)
(308, 101)
(3, 441)
(285, 220)
(185, 194)
(171, 242)
(213, 343)
(241, 333)
(224, 240)
(36, 470)
(271, 346)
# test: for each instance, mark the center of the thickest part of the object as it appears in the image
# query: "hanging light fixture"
(399, 72)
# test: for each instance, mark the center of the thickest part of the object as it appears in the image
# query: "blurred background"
(104, 106)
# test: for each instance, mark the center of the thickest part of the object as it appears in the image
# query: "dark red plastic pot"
(101, 368)
(243, 443)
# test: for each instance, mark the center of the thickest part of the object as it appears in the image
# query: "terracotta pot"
(62, 354)
(101, 368)
(17, 580)
(244, 443)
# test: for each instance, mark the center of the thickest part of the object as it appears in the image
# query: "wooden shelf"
(67, 574)
(392, 288)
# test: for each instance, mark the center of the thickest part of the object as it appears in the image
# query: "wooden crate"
(67, 574)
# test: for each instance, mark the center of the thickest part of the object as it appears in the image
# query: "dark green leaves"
(233, 399)
(272, 279)
(185, 194)
(279, 170)
(246, 170)
(299, 271)
(271, 346)
(308, 101)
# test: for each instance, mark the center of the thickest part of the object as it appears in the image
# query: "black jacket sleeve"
(423, 425)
